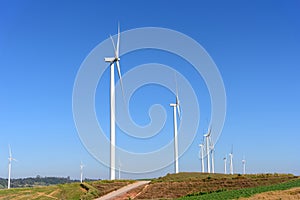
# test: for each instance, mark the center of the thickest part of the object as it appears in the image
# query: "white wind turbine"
(81, 172)
(176, 107)
(244, 165)
(225, 163)
(120, 164)
(231, 161)
(212, 151)
(207, 139)
(202, 157)
(10, 159)
(112, 61)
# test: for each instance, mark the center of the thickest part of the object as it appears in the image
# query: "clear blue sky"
(255, 45)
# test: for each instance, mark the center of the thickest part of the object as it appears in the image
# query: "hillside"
(69, 191)
(171, 186)
(182, 184)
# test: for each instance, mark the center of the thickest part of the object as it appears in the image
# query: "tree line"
(37, 181)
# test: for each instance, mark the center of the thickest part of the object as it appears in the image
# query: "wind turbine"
(225, 163)
(244, 165)
(208, 149)
(10, 159)
(176, 107)
(202, 158)
(231, 161)
(112, 61)
(120, 164)
(81, 171)
(212, 150)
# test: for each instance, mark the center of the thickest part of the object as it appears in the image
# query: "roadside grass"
(64, 191)
(223, 194)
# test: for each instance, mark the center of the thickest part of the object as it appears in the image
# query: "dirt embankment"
(175, 189)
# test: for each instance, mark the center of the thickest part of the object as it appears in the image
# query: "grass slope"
(246, 192)
(69, 191)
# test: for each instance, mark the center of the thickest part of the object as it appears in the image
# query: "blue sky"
(254, 44)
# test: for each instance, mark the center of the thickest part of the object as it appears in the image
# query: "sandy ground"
(124, 191)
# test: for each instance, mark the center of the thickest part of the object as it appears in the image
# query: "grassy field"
(70, 191)
(246, 192)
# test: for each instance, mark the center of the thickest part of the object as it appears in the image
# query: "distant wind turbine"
(176, 107)
(212, 151)
(81, 172)
(10, 159)
(231, 160)
(225, 163)
(120, 164)
(244, 165)
(208, 149)
(202, 158)
(112, 61)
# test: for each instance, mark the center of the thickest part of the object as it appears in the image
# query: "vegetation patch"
(246, 192)
(69, 191)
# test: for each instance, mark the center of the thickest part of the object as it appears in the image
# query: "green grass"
(63, 191)
(69, 191)
(247, 192)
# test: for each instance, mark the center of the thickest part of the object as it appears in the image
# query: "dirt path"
(123, 190)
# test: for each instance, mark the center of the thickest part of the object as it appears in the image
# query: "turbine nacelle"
(81, 166)
(111, 60)
(11, 159)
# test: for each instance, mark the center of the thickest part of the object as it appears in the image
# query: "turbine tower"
(244, 165)
(231, 161)
(10, 159)
(112, 61)
(81, 172)
(176, 107)
(120, 164)
(225, 163)
(207, 136)
(202, 158)
(212, 156)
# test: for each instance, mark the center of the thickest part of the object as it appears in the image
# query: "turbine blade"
(9, 149)
(209, 132)
(120, 77)
(179, 111)
(177, 98)
(118, 42)
(176, 85)
(112, 40)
